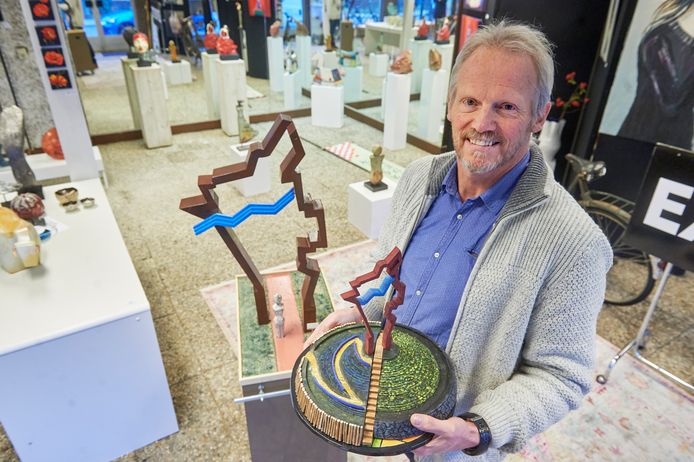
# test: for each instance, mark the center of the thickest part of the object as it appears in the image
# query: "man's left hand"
(454, 434)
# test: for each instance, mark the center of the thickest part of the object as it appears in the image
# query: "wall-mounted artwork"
(60, 80)
(469, 25)
(41, 10)
(53, 57)
(48, 36)
(259, 8)
(651, 98)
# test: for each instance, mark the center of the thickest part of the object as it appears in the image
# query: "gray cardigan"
(523, 340)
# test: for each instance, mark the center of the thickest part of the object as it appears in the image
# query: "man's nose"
(485, 119)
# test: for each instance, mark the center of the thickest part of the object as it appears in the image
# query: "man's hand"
(334, 319)
(454, 434)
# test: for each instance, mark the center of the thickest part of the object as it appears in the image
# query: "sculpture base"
(442, 42)
(233, 57)
(143, 63)
(375, 187)
(211, 51)
(133, 55)
(421, 38)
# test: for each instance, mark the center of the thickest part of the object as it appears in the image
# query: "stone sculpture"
(402, 63)
(434, 59)
(12, 141)
(246, 132)
(278, 310)
(20, 246)
(375, 182)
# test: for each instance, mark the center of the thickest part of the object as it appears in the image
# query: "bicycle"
(633, 273)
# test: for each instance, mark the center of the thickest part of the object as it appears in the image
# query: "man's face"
(491, 113)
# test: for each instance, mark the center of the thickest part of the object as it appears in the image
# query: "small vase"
(550, 141)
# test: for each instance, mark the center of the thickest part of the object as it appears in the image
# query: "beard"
(481, 161)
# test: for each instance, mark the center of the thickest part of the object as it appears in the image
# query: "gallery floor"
(173, 265)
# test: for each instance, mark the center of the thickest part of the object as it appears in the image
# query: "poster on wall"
(48, 36)
(469, 25)
(59, 79)
(41, 10)
(651, 98)
(259, 8)
(53, 57)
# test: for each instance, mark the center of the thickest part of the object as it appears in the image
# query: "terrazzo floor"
(173, 264)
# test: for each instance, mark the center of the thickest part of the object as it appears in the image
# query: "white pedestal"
(209, 75)
(446, 56)
(177, 73)
(368, 210)
(420, 60)
(231, 76)
(292, 90)
(260, 181)
(431, 104)
(151, 96)
(397, 100)
(275, 57)
(352, 82)
(378, 64)
(328, 59)
(47, 168)
(82, 374)
(303, 56)
(327, 106)
(132, 93)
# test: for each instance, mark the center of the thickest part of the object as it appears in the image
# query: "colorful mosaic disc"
(363, 403)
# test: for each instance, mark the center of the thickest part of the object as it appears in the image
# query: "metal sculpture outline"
(206, 204)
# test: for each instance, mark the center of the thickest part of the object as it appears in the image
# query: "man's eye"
(468, 102)
(508, 107)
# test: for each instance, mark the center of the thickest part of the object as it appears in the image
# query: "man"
(503, 268)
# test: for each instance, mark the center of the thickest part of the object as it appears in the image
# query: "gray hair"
(515, 38)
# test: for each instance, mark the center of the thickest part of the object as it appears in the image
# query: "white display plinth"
(209, 75)
(368, 210)
(292, 90)
(353, 81)
(275, 57)
(231, 76)
(260, 181)
(397, 100)
(328, 59)
(378, 64)
(177, 73)
(151, 97)
(420, 60)
(130, 87)
(327, 105)
(446, 56)
(47, 168)
(432, 105)
(82, 374)
(303, 57)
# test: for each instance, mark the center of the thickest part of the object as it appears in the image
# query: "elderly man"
(503, 269)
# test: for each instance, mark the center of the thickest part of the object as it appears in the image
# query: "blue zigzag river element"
(380, 292)
(219, 219)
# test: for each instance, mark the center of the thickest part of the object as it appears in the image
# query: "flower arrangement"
(577, 98)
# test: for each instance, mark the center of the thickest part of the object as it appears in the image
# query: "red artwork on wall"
(259, 8)
(469, 26)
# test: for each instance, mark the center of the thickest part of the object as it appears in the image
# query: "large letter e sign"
(660, 203)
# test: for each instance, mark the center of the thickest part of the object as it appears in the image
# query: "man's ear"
(540, 121)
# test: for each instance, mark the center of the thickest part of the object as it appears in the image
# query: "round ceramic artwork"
(363, 403)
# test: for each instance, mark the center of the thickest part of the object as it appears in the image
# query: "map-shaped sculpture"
(363, 401)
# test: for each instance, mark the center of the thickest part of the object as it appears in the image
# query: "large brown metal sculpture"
(206, 204)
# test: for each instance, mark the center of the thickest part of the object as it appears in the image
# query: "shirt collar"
(495, 197)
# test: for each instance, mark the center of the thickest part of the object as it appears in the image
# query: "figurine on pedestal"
(128, 34)
(329, 45)
(291, 63)
(226, 46)
(275, 29)
(246, 132)
(423, 31)
(278, 309)
(210, 39)
(12, 142)
(141, 45)
(301, 29)
(443, 34)
(402, 63)
(376, 182)
(434, 59)
(173, 52)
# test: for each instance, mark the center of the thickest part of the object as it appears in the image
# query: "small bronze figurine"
(376, 181)
(434, 59)
(173, 52)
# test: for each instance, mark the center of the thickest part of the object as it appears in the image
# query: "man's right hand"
(334, 319)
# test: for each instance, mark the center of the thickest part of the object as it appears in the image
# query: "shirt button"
(459, 216)
(437, 255)
(418, 292)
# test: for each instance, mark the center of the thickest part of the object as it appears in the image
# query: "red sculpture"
(225, 45)
(211, 38)
(423, 31)
(50, 143)
(443, 34)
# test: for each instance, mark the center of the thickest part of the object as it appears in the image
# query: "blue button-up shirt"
(443, 250)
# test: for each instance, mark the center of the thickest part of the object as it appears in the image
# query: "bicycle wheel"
(630, 279)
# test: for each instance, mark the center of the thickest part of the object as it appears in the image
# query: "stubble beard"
(480, 163)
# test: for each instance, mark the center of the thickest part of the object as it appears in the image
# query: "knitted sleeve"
(557, 359)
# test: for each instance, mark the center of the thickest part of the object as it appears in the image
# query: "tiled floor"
(173, 264)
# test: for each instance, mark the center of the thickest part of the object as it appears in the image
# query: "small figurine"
(173, 52)
(20, 246)
(403, 63)
(291, 63)
(211, 39)
(423, 31)
(246, 132)
(50, 143)
(226, 46)
(141, 46)
(278, 309)
(376, 179)
(434, 59)
(443, 34)
(301, 29)
(275, 29)
(329, 45)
